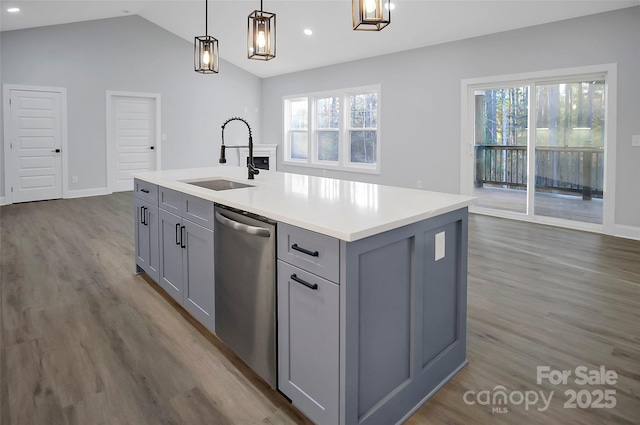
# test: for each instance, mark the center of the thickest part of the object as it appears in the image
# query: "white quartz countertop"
(343, 209)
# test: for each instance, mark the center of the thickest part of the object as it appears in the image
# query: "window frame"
(344, 130)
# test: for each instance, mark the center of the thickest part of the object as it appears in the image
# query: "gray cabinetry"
(199, 288)
(171, 237)
(311, 251)
(146, 191)
(403, 317)
(308, 322)
(146, 230)
(308, 318)
(187, 253)
(395, 326)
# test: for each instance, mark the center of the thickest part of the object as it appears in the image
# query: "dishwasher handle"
(241, 227)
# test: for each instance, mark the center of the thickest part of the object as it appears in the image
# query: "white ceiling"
(414, 23)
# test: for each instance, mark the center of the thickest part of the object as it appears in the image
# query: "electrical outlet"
(419, 184)
(74, 179)
(635, 140)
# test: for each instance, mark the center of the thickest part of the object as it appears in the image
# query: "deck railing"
(558, 169)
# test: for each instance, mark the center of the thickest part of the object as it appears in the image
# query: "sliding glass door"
(538, 148)
(569, 138)
(500, 148)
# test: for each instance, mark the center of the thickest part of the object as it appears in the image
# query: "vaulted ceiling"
(414, 23)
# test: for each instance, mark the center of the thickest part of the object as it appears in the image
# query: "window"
(334, 130)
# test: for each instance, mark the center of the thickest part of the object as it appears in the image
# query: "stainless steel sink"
(218, 184)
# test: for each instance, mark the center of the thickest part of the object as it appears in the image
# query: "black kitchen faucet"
(250, 165)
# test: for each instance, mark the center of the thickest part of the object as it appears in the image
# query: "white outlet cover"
(635, 140)
(440, 246)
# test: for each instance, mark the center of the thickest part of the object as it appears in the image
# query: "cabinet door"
(198, 277)
(153, 268)
(141, 236)
(308, 335)
(171, 238)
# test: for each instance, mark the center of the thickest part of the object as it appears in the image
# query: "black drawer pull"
(313, 286)
(177, 237)
(144, 216)
(144, 190)
(305, 251)
(182, 238)
(141, 215)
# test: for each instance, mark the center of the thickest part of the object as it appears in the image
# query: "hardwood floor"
(85, 341)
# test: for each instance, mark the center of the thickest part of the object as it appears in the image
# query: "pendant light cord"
(206, 18)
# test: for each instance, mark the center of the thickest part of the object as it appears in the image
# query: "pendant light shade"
(261, 35)
(206, 59)
(370, 15)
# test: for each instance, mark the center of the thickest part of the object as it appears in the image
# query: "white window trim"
(343, 164)
(610, 72)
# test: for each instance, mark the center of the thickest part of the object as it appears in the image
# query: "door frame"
(110, 141)
(467, 128)
(9, 168)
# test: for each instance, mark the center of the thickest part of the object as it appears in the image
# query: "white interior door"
(35, 145)
(134, 134)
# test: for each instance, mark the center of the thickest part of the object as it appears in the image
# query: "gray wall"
(130, 54)
(420, 116)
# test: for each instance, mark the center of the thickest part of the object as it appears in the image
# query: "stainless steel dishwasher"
(245, 283)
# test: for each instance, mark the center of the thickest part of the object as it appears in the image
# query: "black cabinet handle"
(313, 286)
(144, 216)
(141, 215)
(182, 238)
(304, 251)
(144, 190)
(177, 230)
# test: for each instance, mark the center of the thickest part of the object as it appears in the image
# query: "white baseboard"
(1, 201)
(629, 232)
(98, 191)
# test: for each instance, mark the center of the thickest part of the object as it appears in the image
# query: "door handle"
(56, 151)
(177, 230)
(152, 147)
(304, 251)
(313, 286)
(182, 238)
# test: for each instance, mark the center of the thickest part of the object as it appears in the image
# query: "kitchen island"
(371, 282)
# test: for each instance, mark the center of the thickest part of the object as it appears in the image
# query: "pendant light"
(370, 15)
(261, 35)
(206, 49)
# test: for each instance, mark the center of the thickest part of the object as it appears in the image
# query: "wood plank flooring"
(85, 341)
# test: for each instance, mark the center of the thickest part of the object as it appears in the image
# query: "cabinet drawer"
(197, 210)
(311, 251)
(146, 191)
(170, 200)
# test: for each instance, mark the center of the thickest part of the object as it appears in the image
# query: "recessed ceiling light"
(308, 31)
(13, 10)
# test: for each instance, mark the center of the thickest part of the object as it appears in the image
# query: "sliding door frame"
(532, 80)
